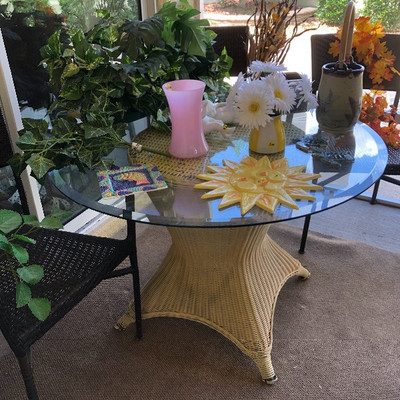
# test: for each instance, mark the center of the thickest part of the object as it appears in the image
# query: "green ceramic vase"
(339, 97)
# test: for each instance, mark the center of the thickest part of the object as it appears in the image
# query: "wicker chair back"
(235, 38)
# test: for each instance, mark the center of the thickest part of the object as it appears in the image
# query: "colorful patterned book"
(127, 180)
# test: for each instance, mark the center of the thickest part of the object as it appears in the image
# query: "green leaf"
(70, 70)
(39, 127)
(103, 14)
(51, 223)
(17, 163)
(71, 93)
(150, 30)
(40, 308)
(9, 220)
(93, 131)
(68, 53)
(23, 238)
(3, 239)
(23, 294)
(5, 246)
(64, 126)
(54, 42)
(86, 156)
(61, 214)
(20, 253)
(26, 141)
(31, 274)
(80, 43)
(30, 220)
(193, 38)
(169, 10)
(53, 48)
(40, 165)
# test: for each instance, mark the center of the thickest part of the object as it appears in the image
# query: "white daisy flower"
(304, 88)
(267, 67)
(284, 97)
(253, 104)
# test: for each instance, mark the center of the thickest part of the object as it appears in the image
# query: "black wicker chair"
(74, 264)
(319, 57)
(235, 39)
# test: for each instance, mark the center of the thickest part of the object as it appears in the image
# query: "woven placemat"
(185, 171)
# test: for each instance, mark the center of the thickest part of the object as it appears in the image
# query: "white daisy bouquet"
(266, 92)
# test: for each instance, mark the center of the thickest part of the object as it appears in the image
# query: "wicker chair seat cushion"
(73, 265)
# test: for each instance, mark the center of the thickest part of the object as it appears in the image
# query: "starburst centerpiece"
(259, 183)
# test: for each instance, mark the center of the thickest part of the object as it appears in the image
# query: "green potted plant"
(99, 77)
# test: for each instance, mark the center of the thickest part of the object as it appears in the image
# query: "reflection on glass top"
(181, 205)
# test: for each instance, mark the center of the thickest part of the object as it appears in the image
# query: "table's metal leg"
(135, 277)
(375, 192)
(304, 235)
(225, 278)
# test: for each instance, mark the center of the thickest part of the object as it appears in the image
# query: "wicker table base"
(225, 278)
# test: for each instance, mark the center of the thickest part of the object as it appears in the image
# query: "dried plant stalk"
(275, 26)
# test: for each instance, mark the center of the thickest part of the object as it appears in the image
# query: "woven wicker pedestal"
(225, 278)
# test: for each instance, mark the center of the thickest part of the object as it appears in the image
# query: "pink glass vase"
(185, 99)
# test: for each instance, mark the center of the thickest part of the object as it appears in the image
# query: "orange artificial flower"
(369, 50)
(374, 114)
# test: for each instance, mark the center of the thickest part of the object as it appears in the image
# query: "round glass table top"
(348, 166)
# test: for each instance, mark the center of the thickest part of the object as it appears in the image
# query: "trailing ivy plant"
(101, 76)
(14, 258)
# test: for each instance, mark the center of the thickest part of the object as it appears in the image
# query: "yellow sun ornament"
(258, 183)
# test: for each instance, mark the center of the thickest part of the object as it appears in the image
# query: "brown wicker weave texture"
(228, 279)
(73, 265)
(225, 278)
(185, 171)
